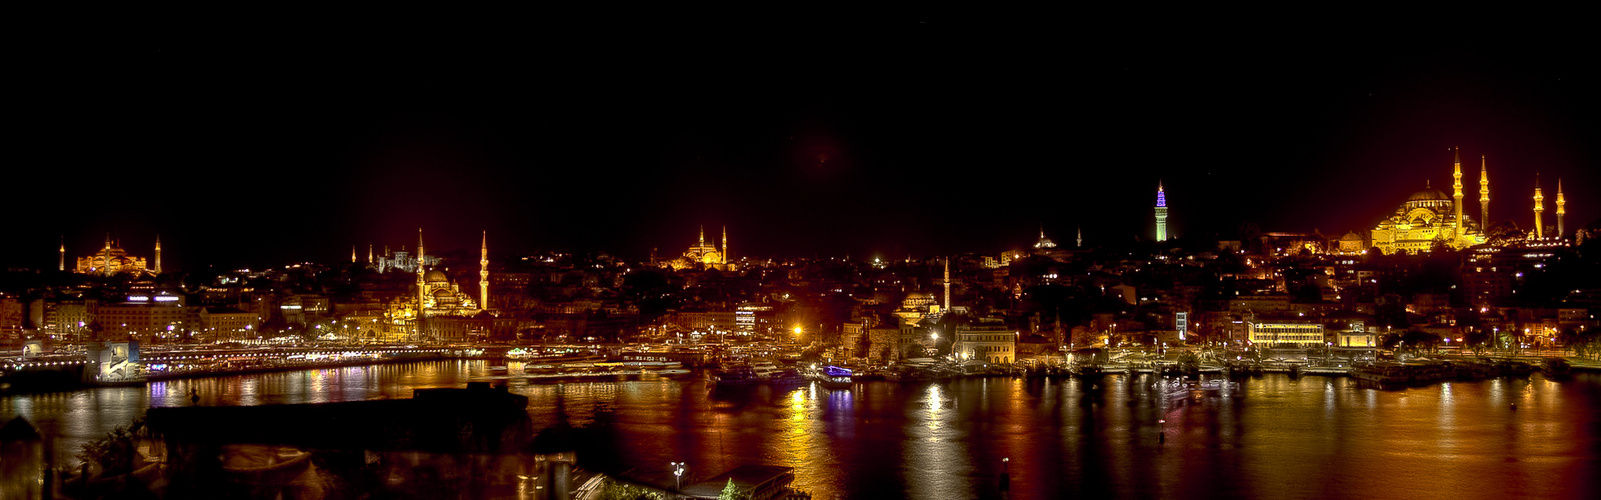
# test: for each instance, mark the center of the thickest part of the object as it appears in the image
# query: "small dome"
(1429, 195)
(436, 276)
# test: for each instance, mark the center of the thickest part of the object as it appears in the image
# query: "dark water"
(1275, 438)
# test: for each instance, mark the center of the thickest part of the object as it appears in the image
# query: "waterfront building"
(986, 340)
(1278, 333)
(141, 316)
(227, 323)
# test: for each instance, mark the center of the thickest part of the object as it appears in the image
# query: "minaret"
(702, 239)
(1539, 206)
(1484, 196)
(1161, 213)
(1080, 242)
(725, 244)
(483, 273)
(158, 254)
(62, 264)
(105, 261)
(369, 253)
(352, 254)
(947, 285)
(1456, 195)
(421, 291)
(1561, 208)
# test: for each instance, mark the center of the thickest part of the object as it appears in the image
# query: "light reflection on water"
(1276, 436)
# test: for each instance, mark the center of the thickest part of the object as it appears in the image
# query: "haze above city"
(914, 134)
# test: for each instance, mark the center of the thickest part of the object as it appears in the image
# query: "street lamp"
(678, 475)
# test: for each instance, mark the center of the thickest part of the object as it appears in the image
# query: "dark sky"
(252, 141)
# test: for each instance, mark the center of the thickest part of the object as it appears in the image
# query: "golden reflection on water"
(1278, 437)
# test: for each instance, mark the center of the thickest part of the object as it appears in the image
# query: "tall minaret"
(105, 261)
(1456, 195)
(725, 244)
(62, 265)
(702, 238)
(1080, 242)
(483, 273)
(1161, 213)
(947, 285)
(158, 254)
(1484, 196)
(352, 254)
(1561, 203)
(1539, 206)
(421, 291)
(369, 253)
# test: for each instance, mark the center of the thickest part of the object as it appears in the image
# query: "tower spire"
(483, 273)
(1484, 196)
(1539, 206)
(1080, 242)
(1161, 212)
(158, 254)
(1456, 196)
(62, 265)
(1561, 208)
(725, 245)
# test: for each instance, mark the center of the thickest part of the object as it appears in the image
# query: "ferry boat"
(1400, 373)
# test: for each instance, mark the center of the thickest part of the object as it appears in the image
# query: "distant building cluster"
(1431, 272)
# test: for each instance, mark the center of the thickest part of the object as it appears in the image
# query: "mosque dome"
(436, 276)
(918, 299)
(1429, 194)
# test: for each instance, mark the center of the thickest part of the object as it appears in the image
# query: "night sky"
(263, 142)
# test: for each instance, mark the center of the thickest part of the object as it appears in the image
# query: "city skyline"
(910, 135)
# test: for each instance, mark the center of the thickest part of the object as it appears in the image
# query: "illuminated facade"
(112, 259)
(1298, 334)
(1429, 217)
(704, 255)
(989, 340)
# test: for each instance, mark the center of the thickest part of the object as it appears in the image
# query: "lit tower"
(483, 273)
(1080, 242)
(1484, 196)
(1539, 206)
(369, 253)
(1456, 194)
(725, 245)
(1561, 203)
(352, 254)
(62, 264)
(1161, 213)
(158, 254)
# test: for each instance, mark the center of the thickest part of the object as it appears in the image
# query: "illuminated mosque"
(436, 295)
(1430, 217)
(112, 259)
(704, 254)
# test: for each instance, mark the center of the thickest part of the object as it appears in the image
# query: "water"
(1275, 438)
